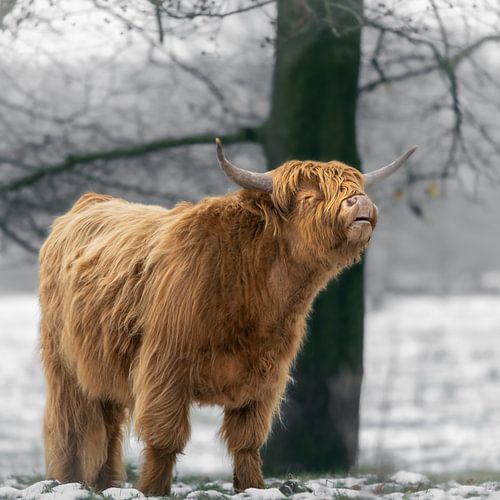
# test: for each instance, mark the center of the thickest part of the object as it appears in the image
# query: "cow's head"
(324, 203)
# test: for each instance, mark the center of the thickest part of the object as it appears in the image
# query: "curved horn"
(373, 178)
(246, 179)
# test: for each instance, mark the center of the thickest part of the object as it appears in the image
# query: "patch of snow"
(384, 488)
(206, 493)
(61, 488)
(260, 494)
(467, 491)
(67, 495)
(326, 488)
(394, 496)
(122, 493)
(314, 484)
(304, 496)
(344, 482)
(11, 481)
(430, 494)
(35, 490)
(181, 489)
(68, 491)
(491, 485)
(346, 492)
(410, 478)
(10, 492)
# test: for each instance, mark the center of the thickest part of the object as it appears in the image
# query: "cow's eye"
(309, 196)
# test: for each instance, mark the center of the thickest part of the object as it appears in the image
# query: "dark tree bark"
(313, 117)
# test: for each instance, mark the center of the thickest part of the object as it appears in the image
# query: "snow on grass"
(205, 494)
(21, 387)
(122, 493)
(10, 492)
(363, 487)
(430, 400)
(410, 479)
(431, 393)
(261, 494)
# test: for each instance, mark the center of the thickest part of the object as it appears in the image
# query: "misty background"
(85, 76)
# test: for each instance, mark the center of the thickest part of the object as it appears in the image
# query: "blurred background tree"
(127, 98)
(313, 115)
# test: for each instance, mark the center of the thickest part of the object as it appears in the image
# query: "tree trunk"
(313, 117)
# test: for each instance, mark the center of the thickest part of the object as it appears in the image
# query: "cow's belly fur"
(104, 362)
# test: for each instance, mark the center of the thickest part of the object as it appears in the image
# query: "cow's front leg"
(245, 430)
(157, 469)
(161, 450)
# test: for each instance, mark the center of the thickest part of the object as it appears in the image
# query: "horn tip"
(220, 151)
(409, 153)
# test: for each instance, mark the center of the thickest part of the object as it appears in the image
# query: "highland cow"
(146, 311)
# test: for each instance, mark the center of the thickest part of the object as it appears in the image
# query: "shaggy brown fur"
(146, 311)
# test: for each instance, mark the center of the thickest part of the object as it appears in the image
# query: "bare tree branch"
(19, 240)
(75, 160)
(177, 13)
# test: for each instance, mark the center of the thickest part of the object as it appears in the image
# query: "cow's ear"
(282, 205)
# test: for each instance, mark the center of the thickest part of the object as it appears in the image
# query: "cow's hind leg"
(112, 473)
(64, 402)
(245, 430)
(76, 445)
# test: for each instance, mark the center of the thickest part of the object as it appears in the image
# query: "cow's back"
(91, 286)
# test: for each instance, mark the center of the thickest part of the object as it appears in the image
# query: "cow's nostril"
(352, 201)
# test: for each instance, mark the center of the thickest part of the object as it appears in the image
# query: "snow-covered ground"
(431, 397)
(400, 486)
